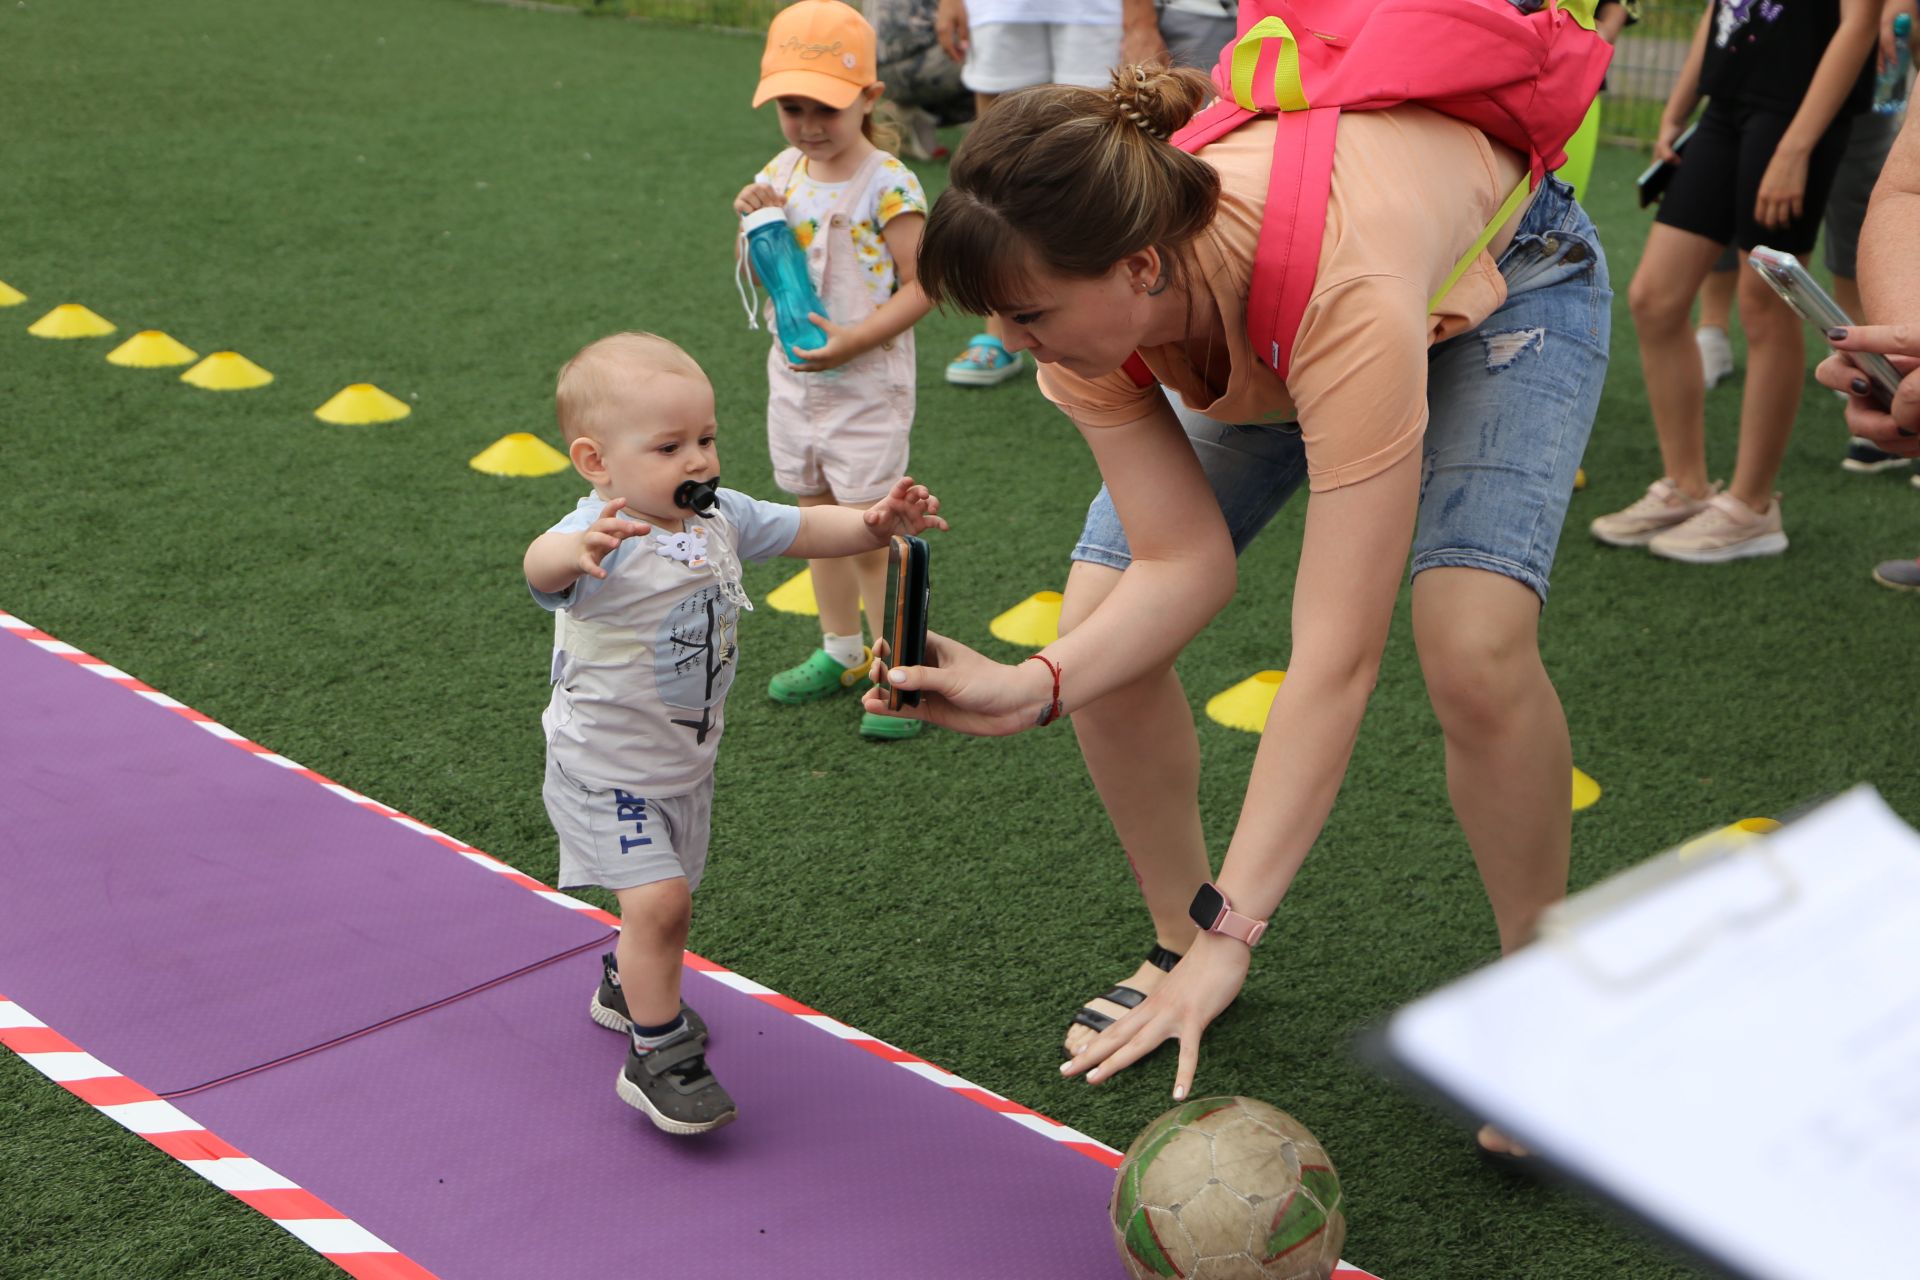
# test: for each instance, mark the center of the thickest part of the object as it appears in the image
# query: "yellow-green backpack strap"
(1581, 11)
(1507, 210)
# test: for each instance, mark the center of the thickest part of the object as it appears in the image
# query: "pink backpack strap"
(1287, 259)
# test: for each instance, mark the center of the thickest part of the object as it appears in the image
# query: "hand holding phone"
(903, 624)
(1653, 181)
(1810, 302)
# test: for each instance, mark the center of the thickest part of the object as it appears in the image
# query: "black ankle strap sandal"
(1124, 996)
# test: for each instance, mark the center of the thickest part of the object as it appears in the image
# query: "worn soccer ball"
(1227, 1189)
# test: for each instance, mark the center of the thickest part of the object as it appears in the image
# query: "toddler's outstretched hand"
(907, 509)
(756, 195)
(606, 533)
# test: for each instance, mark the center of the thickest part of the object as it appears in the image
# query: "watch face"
(1206, 907)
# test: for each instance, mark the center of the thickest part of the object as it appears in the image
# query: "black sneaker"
(672, 1084)
(609, 1007)
(1865, 458)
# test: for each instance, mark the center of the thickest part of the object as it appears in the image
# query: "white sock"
(845, 650)
(646, 1042)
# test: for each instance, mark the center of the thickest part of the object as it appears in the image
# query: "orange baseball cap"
(819, 49)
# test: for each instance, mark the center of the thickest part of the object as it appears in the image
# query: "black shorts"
(1718, 181)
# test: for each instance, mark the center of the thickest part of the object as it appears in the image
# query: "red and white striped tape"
(1023, 1116)
(316, 1224)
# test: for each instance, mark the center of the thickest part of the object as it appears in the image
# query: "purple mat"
(484, 1139)
(183, 911)
(186, 911)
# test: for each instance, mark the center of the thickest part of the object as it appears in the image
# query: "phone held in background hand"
(904, 624)
(1653, 181)
(1811, 303)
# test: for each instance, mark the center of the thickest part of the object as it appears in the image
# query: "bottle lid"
(763, 217)
(1902, 24)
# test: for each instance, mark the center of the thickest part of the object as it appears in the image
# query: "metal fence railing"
(1649, 56)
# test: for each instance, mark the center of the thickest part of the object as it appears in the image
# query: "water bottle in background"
(781, 264)
(1890, 86)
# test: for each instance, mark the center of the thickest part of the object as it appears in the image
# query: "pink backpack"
(1522, 78)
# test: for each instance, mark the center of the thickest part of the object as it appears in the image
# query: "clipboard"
(1724, 1041)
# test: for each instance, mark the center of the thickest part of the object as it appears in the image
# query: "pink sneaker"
(1663, 507)
(1728, 529)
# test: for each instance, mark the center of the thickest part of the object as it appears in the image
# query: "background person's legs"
(1716, 318)
(1671, 271)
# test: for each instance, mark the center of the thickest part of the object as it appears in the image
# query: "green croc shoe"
(888, 728)
(818, 677)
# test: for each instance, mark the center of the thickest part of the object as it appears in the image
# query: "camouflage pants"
(917, 71)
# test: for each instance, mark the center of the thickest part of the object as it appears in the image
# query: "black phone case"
(905, 620)
(1653, 182)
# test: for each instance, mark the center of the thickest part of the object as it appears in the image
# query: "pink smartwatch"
(1213, 913)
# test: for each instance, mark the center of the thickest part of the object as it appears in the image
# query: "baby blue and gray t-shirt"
(643, 658)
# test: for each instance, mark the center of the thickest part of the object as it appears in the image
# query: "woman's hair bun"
(1158, 99)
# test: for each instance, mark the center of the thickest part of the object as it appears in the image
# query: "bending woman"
(1454, 434)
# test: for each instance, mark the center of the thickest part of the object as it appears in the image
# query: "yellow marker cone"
(1579, 478)
(362, 403)
(70, 320)
(520, 454)
(1034, 622)
(1245, 706)
(1585, 791)
(795, 595)
(227, 371)
(1729, 836)
(151, 349)
(10, 296)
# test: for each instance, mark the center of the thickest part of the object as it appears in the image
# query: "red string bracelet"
(1050, 712)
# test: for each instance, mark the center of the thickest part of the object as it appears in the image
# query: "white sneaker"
(1662, 508)
(1728, 529)
(1716, 354)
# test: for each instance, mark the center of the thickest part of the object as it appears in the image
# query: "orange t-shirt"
(1412, 190)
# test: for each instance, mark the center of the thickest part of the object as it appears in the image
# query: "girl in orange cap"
(837, 421)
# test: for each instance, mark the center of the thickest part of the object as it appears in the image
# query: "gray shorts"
(621, 839)
(1193, 39)
(1867, 147)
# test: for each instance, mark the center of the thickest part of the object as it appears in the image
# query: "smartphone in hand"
(904, 624)
(1810, 302)
(1653, 181)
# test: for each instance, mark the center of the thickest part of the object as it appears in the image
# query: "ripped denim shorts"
(1511, 404)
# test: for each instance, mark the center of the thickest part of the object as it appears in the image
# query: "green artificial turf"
(447, 199)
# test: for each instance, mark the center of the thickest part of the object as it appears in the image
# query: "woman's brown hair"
(1068, 179)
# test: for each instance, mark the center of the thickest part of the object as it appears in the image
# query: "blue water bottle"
(1890, 86)
(781, 264)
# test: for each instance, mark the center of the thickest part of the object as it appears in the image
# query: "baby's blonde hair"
(586, 382)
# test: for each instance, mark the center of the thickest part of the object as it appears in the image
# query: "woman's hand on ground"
(963, 690)
(1198, 989)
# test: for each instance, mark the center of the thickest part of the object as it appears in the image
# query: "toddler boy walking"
(643, 578)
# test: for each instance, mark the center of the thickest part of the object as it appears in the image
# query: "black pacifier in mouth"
(698, 495)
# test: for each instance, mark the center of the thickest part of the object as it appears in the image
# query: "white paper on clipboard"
(1728, 1045)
